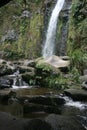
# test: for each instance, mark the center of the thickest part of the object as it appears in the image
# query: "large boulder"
(55, 61)
(40, 108)
(52, 122)
(24, 69)
(42, 99)
(28, 76)
(59, 122)
(5, 82)
(6, 67)
(76, 94)
(9, 122)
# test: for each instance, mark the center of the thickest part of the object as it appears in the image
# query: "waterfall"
(49, 46)
(18, 82)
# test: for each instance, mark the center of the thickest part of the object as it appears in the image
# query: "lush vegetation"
(77, 42)
(27, 27)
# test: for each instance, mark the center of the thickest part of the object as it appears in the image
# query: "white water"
(77, 104)
(49, 46)
(18, 82)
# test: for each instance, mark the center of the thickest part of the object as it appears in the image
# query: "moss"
(77, 40)
(28, 29)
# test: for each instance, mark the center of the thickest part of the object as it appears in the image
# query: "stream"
(70, 108)
(38, 102)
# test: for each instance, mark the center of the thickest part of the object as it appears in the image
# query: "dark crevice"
(4, 2)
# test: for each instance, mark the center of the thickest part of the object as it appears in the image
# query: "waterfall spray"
(49, 46)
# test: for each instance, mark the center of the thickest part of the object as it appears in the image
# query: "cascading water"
(49, 46)
(18, 82)
(77, 104)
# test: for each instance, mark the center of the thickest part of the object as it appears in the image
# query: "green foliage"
(75, 75)
(58, 82)
(77, 39)
(44, 67)
(78, 10)
(28, 28)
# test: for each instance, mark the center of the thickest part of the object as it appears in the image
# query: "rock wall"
(62, 31)
(23, 26)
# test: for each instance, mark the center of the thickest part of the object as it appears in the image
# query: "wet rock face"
(10, 36)
(62, 38)
(5, 83)
(5, 70)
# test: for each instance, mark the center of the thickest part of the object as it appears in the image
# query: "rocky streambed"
(40, 108)
(24, 104)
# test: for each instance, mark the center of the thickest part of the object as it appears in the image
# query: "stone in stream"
(5, 82)
(38, 108)
(43, 99)
(84, 85)
(9, 122)
(76, 94)
(51, 122)
(59, 122)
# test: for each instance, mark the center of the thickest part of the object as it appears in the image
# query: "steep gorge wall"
(23, 26)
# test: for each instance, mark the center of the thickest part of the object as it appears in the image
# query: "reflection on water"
(35, 91)
(16, 108)
(36, 114)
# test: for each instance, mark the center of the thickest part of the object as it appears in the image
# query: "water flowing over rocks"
(77, 94)
(49, 46)
(25, 102)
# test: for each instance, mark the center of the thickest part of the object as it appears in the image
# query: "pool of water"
(70, 108)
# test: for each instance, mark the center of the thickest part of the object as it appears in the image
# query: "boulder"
(76, 94)
(6, 68)
(59, 122)
(39, 108)
(28, 76)
(38, 124)
(9, 122)
(23, 69)
(55, 61)
(5, 82)
(52, 122)
(84, 85)
(42, 99)
(83, 78)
